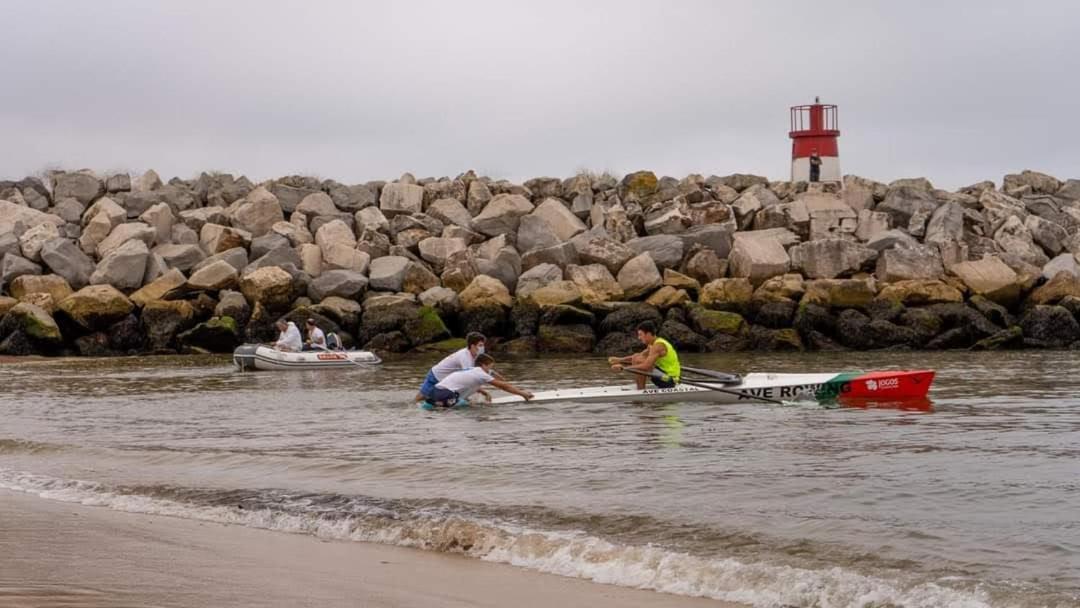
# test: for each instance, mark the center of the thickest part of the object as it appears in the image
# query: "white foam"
(577, 555)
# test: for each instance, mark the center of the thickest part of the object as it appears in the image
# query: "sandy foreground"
(56, 554)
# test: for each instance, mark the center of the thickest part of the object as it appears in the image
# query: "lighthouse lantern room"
(814, 130)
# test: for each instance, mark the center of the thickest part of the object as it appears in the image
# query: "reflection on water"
(974, 492)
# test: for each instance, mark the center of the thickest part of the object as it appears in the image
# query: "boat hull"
(252, 357)
(845, 388)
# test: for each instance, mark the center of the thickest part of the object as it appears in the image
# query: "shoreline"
(65, 554)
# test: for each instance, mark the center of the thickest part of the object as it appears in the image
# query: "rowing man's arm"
(510, 388)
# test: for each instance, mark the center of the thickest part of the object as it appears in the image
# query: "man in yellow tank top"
(659, 355)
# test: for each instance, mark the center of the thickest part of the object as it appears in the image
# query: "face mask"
(480, 349)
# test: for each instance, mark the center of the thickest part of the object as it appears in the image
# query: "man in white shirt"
(316, 338)
(461, 384)
(289, 339)
(454, 362)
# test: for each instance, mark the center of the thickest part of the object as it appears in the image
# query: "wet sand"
(56, 554)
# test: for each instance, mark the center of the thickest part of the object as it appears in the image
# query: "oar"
(710, 387)
(724, 377)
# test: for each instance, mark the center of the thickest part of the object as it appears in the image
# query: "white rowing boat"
(846, 387)
(258, 357)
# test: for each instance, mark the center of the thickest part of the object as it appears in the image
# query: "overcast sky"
(367, 90)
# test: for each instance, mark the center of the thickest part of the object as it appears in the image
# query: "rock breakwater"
(116, 264)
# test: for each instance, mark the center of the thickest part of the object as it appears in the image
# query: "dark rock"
(426, 327)
(775, 315)
(218, 335)
(816, 341)
(957, 337)
(262, 245)
(885, 310)
(1052, 325)
(260, 327)
(1071, 304)
(724, 343)
(162, 320)
(884, 334)
(525, 345)
(853, 330)
(17, 344)
(566, 338)
(566, 315)
(489, 320)
(94, 345)
(385, 319)
(525, 315)
(996, 313)
(814, 318)
(618, 344)
(959, 315)
(625, 319)
(682, 337)
(126, 336)
(766, 339)
(1010, 338)
(389, 342)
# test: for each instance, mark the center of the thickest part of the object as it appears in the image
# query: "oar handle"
(658, 376)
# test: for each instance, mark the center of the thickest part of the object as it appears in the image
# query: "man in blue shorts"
(462, 384)
(455, 362)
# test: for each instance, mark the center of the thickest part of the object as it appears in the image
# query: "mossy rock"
(763, 338)
(426, 327)
(36, 324)
(218, 335)
(448, 345)
(1012, 337)
(713, 322)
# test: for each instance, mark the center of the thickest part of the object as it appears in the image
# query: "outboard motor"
(244, 357)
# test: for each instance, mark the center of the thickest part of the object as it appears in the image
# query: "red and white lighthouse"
(814, 129)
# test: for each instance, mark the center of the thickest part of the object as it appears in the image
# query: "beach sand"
(56, 554)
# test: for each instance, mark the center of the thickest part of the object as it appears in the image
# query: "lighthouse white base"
(830, 169)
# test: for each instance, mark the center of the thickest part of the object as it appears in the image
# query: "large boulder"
(946, 224)
(180, 257)
(401, 198)
(1063, 285)
(830, 216)
(638, 185)
(564, 224)
(909, 263)
(12, 215)
(66, 259)
(96, 307)
(271, 287)
(536, 277)
(483, 292)
(758, 259)
(13, 266)
(502, 215)
(727, 294)
(388, 273)
(197, 218)
(237, 257)
(717, 237)
(1052, 326)
(123, 233)
(450, 211)
(258, 213)
(216, 335)
(601, 250)
(752, 200)
(839, 293)
(666, 250)
(557, 293)
(33, 240)
(27, 284)
(989, 277)
(535, 232)
(82, 186)
(436, 250)
(1046, 234)
(595, 282)
(672, 217)
(562, 255)
(577, 338)
(317, 203)
(905, 203)
(919, 292)
(213, 277)
(160, 286)
(124, 267)
(830, 258)
(216, 238)
(159, 217)
(639, 277)
(32, 322)
(1065, 262)
(705, 266)
(341, 283)
(163, 319)
(1039, 183)
(1013, 236)
(788, 287)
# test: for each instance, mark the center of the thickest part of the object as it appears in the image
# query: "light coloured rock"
(502, 215)
(536, 277)
(727, 294)
(752, 200)
(788, 287)
(535, 232)
(1046, 234)
(216, 238)
(556, 293)
(14, 265)
(155, 267)
(436, 250)
(181, 234)
(564, 224)
(124, 233)
(478, 197)
(296, 235)
(341, 283)
(343, 257)
(783, 236)
(157, 289)
(450, 211)
(311, 260)
(70, 210)
(1039, 183)
(613, 221)
(371, 218)
(840, 293)
(160, 218)
(388, 273)
(946, 224)
(562, 255)
(196, 218)
(43, 301)
(792, 216)
(272, 287)
(213, 277)
(485, 292)
(665, 249)
(33, 240)
(717, 237)
(84, 187)
(335, 232)
(600, 250)
(672, 217)
(1014, 237)
(317, 203)
(1065, 262)
(909, 263)
(51, 284)
(871, 224)
(758, 259)
(595, 282)
(679, 280)
(124, 267)
(668, 297)
(891, 239)
(237, 257)
(829, 215)
(96, 307)
(989, 277)
(12, 215)
(146, 182)
(258, 212)
(401, 198)
(64, 258)
(1063, 285)
(440, 298)
(905, 201)
(181, 257)
(639, 277)
(920, 292)
(831, 258)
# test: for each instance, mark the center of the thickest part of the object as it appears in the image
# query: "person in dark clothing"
(815, 167)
